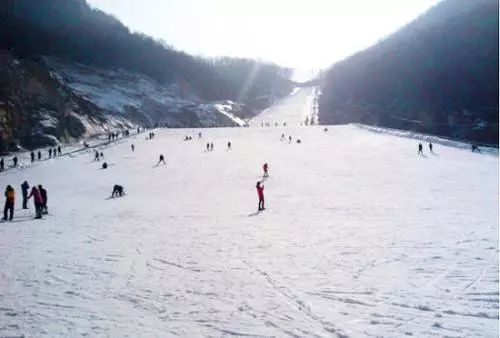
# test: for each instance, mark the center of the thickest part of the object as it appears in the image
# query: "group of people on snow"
(38, 193)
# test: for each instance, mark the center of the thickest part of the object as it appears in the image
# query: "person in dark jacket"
(32, 157)
(260, 193)
(162, 160)
(117, 191)
(2, 165)
(420, 149)
(25, 188)
(15, 161)
(9, 203)
(59, 150)
(50, 153)
(43, 194)
(37, 198)
(39, 155)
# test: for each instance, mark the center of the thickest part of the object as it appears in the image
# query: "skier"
(101, 155)
(162, 160)
(54, 152)
(289, 139)
(133, 147)
(15, 161)
(475, 148)
(265, 167)
(2, 165)
(50, 153)
(32, 157)
(59, 150)
(9, 203)
(117, 191)
(420, 148)
(199, 135)
(211, 146)
(25, 188)
(37, 198)
(104, 165)
(43, 194)
(260, 193)
(96, 156)
(39, 155)
(208, 146)
(229, 145)
(430, 147)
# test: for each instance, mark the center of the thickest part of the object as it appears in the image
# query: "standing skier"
(25, 188)
(32, 157)
(39, 155)
(133, 147)
(420, 149)
(15, 161)
(9, 203)
(208, 146)
(37, 198)
(289, 139)
(211, 146)
(260, 193)
(229, 145)
(50, 153)
(430, 147)
(59, 150)
(43, 194)
(265, 167)
(162, 160)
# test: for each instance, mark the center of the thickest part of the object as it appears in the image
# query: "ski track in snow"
(361, 237)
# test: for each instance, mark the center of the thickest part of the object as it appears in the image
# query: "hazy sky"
(294, 33)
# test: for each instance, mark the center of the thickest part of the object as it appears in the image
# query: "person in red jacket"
(265, 167)
(37, 197)
(260, 192)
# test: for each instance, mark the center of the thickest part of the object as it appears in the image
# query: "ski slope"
(361, 237)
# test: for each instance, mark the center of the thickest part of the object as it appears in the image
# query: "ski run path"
(361, 238)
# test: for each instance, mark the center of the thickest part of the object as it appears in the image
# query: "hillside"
(118, 75)
(438, 74)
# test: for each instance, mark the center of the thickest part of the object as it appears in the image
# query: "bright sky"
(300, 34)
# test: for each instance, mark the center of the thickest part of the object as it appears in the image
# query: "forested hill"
(438, 74)
(73, 30)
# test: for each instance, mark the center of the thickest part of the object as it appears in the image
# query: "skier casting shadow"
(117, 191)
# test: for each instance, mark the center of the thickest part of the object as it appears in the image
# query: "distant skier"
(101, 155)
(325, 130)
(59, 150)
(420, 149)
(43, 194)
(2, 165)
(117, 191)
(104, 165)
(199, 135)
(260, 193)
(50, 153)
(208, 146)
(54, 152)
(39, 155)
(37, 198)
(289, 139)
(299, 141)
(25, 189)
(430, 147)
(9, 203)
(133, 147)
(475, 148)
(162, 160)
(15, 161)
(32, 154)
(96, 156)
(211, 146)
(265, 167)
(229, 145)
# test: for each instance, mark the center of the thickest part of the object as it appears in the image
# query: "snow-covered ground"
(361, 237)
(293, 109)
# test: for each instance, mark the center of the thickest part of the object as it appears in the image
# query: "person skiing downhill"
(25, 188)
(420, 149)
(50, 153)
(289, 139)
(15, 161)
(117, 191)
(211, 146)
(39, 155)
(32, 154)
(37, 198)
(430, 147)
(229, 145)
(260, 193)
(208, 146)
(162, 160)
(2, 165)
(265, 167)
(133, 147)
(9, 203)
(43, 194)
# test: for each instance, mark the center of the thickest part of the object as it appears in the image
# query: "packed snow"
(361, 237)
